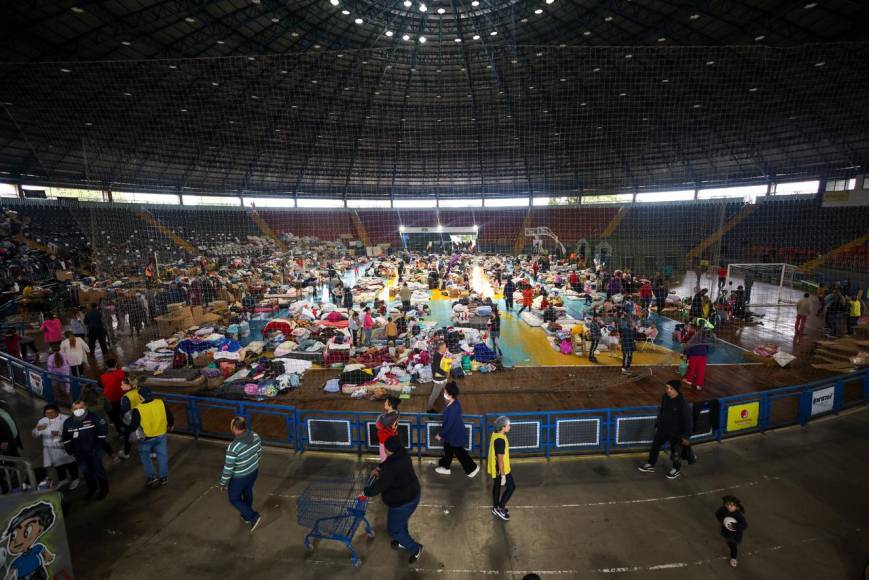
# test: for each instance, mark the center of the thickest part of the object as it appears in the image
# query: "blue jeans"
(396, 524)
(241, 496)
(154, 445)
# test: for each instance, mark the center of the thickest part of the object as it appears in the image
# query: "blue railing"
(544, 433)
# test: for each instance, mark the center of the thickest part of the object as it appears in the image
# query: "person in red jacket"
(111, 380)
(387, 424)
(646, 295)
(527, 299)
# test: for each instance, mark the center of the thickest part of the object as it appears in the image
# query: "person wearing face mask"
(83, 436)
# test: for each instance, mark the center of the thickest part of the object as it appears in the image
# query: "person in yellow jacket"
(155, 420)
(855, 310)
(498, 467)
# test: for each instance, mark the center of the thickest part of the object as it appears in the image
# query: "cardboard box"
(166, 326)
(174, 306)
(218, 305)
(64, 275)
(88, 296)
(185, 322)
(210, 317)
(197, 312)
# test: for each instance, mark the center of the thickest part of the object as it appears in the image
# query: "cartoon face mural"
(30, 558)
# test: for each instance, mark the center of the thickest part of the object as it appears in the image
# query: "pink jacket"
(368, 322)
(53, 330)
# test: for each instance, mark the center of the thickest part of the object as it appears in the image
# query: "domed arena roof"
(381, 98)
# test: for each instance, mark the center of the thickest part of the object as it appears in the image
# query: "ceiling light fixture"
(408, 3)
(423, 8)
(334, 2)
(550, 1)
(389, 33)
(475, 3)
(759, 37)
(457, 39)
(629, 56)
(587, 33)
(406, 37)
(819, 64)
(710, 62)
(190, 19)
(221, 42)
(345, 12)
(276, 19)
(694, 17)
(538, 11)
(810, 5)
(422, 39)
(172, 66)
(441, 11)
(493, 33)
(662, 39)
(128, 94)
(126, 42)
(77, 9)
(752, 90)
(215, 84)
(358, 21)
(608, 19)
(65, 70)
(476, 37)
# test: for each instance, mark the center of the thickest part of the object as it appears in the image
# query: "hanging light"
(423, 8)
(422, 39)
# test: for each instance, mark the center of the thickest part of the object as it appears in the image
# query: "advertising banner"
(743, 416)
(35, 382)
(822, 400)
(33, 544)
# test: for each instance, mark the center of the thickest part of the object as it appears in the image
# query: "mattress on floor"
(175, 378)
(531, 319)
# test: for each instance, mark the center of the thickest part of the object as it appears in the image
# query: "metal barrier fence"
(531, 433)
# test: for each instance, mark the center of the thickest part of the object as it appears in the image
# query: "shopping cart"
(333, 510)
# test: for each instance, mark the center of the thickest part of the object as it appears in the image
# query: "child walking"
(498, 467)
(387, 424)
(731, 515)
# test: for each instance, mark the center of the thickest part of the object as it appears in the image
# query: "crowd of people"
(109, 421)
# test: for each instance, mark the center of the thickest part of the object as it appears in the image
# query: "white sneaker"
(74, 484)
(475, 472)
(442, 470)
(734, 562)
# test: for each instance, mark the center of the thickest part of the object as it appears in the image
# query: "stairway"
(361, 232)
(614, 223)
(267, 230)
(149, 219)
(22, 239)
(521, 241)
(813, 265)
(713, 238)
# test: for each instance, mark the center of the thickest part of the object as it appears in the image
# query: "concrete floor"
(593, 517)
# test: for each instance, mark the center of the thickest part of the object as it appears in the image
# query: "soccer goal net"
(764, 284)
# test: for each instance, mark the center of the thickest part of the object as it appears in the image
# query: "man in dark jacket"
(83, 437)
(93, 320)
(397, 482)
(509, 289)
(674, 426)
(454, 436)
(594, 331)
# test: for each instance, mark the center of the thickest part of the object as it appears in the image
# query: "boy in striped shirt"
(240, 470)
